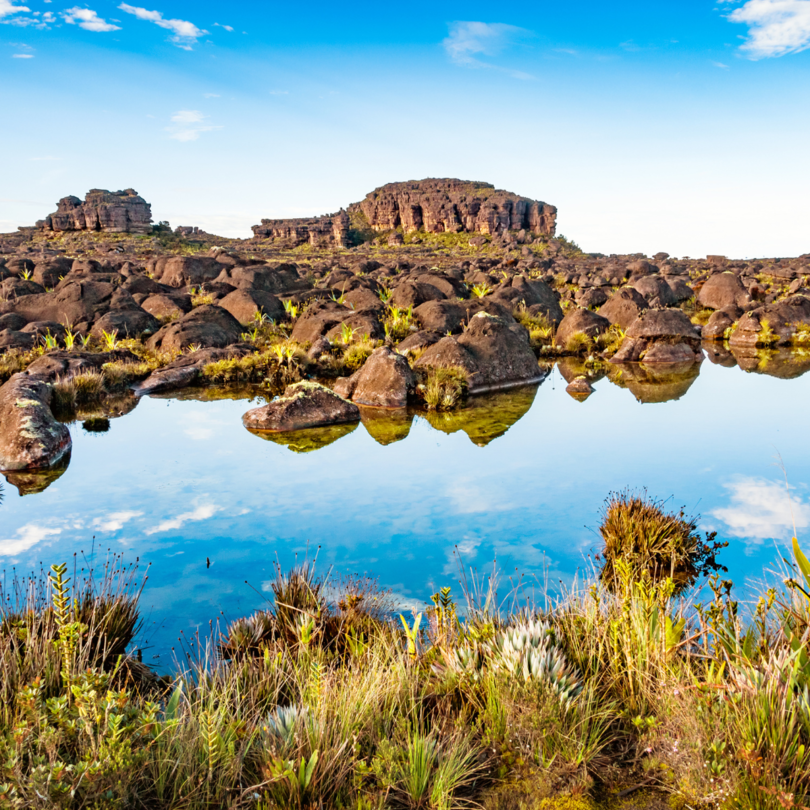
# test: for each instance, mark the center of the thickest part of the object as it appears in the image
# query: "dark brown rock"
(206, 327)
(30, 438)
(624, 306)
(126, 323)
(384, 381)
(304, 405)
(167, 307)
(656, 291)
(185, 271)
(580, 321)
(722, 290)
(780, 319)
(493, 353)
(440, 316)
(245, 303)
(318, 319)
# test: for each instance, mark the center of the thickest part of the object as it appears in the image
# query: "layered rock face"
(432, 206)
(108, 211)
(327, 231)
(454, 206)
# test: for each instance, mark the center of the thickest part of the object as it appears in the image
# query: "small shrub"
(444, 388)
(657, 544)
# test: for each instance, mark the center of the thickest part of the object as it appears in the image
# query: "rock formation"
(331, 230)
(433, 206)
(454, 206)
(108, 211)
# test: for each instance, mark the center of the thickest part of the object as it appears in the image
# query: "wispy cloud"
(187, 125)
(22, 56)
(226, 27)
(470, 40)
(761, 510)
(7, 8)
(27, 537)
(200, 513)
(88, 19)
(776, 27)
(720, 65)
(185, 33)
(114, 521)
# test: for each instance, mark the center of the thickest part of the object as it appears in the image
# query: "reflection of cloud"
(469, 498)
(27, 537)
(200, 513)
(762, 510)
(202, 426)
(468, 40)
(114, 521)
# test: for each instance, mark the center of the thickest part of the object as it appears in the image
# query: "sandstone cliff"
(433, 205)
(108, 211)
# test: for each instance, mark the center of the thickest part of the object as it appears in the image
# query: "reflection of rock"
(579, 389)
(573, 367)
(32, 482)
(305, 441)
(488, 416)
(388, 426)
(782, 363)
(661, 382)
(719, 355)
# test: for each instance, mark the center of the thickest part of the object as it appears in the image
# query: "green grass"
(443, 389)
(323, 698)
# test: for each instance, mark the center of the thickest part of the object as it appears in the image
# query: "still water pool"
(519, 477)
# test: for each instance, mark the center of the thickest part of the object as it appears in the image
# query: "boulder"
(680, 289)
(245, 303)
(723, 290)
(282, 280)
(30, 438)
(304, 405)
(440, 316)
(167, 307)
(76, 302)
(418, 341)
(50, 273)
(660, 336)
(208, 327)
(384, 381)
(15, 287)
(772, 325)
(185, 370)
(656, 291)
(591, 297)
(414, 293)
(363, 298)
(720, 321)
(492, 352)
(624, 306)
(126, 323)
(317, 320)
(580, 321)
(363, 324)
(185, 271)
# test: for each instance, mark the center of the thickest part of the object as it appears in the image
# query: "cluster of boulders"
(488, 317)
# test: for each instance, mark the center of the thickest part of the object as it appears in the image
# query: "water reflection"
(308, 440)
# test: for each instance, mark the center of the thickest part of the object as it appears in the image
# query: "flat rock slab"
(30, 438)
(304, 405)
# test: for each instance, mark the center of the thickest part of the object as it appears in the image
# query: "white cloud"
(776, 27)
(114, 521)
(200, 513)
(185, 33)
(27, 537)
(88, 19)
(762, 510)
(188, 124)
(226, 27)
(22, 56)
(469, 40)
(7, 7)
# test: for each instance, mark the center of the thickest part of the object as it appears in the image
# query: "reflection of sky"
(175, 482)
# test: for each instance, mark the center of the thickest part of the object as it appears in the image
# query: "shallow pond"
(519, 476)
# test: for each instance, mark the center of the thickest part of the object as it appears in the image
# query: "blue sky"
(677, 126)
